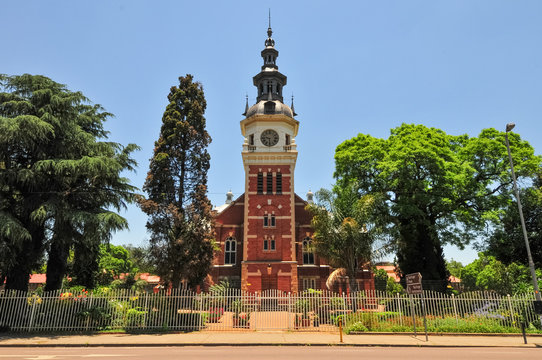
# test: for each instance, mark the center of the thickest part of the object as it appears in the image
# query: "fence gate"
(272, 311)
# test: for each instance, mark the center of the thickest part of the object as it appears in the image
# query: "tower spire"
(269, 31)
(269, 42)
(246, 105)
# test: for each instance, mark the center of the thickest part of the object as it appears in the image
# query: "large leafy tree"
(344, 229)
(438, 188)
(180, 220)
(488, 273)
(59, 178)
(506, 242)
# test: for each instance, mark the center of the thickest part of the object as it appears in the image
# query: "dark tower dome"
(269, 83)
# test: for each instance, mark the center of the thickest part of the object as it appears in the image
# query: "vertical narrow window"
(251, 139)
(260, 183)
(273, 221)
(266, 244)
(272, 244)
(279, 183)
(269, 183)
(265, 221)
(309, 283)
(287, 139)
(308, 252)
(230, 250)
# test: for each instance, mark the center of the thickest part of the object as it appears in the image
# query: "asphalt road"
(270, 352)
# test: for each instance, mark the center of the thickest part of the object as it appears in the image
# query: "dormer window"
(269, 107)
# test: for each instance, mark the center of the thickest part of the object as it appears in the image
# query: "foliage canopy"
(437, 188)
(59, 178)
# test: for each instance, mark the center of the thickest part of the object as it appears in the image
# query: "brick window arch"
(308, 251)
(230, 251)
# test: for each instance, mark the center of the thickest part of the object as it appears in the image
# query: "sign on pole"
(414, 283)
(414, 287)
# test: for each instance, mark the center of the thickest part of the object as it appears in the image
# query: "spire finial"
(246, 105)
(269, 42)
(292, 107)
(310, 197)
(229, 197)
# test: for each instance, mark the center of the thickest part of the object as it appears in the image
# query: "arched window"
(230, 250)
(269, 220)
(308, 252)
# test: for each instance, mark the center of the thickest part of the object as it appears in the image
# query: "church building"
(265, 234)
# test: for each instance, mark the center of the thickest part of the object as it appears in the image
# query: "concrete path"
(266, 338)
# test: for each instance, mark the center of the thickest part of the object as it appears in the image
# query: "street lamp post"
(538, 298)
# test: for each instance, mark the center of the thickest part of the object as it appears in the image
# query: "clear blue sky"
(353, 66)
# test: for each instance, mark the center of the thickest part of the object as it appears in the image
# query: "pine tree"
(58, 181)
(180, 220)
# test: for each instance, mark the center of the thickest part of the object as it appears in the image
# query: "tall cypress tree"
(58, 177)
(180, 220)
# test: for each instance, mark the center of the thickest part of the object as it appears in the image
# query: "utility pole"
(537, 295)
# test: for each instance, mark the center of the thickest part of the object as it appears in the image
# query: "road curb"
(267, 344)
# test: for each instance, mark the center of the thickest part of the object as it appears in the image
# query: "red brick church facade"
(264, 234)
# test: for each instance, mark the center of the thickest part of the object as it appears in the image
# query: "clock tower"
(265, 234)
(269, 154)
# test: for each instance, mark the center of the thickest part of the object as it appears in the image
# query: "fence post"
(455, 310)
(511, 309)
(200, 325)
(345, 307)
(289, 311)
(400, 309)
(89, 313)
(146, 309)
(31, 322)
(412, 311)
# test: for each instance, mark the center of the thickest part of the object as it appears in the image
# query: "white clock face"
(269, 137)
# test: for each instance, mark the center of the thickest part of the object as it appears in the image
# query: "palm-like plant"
(344, 229)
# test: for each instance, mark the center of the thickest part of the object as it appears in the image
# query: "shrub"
(356, 327)
(96, 315)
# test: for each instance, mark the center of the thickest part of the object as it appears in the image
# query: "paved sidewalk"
(266, 338)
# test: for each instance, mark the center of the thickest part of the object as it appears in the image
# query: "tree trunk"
(26, 259)
(420, 251)
(353, 285)
(85, 263)
(57, 263)
(17, 277)
(175, 279)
